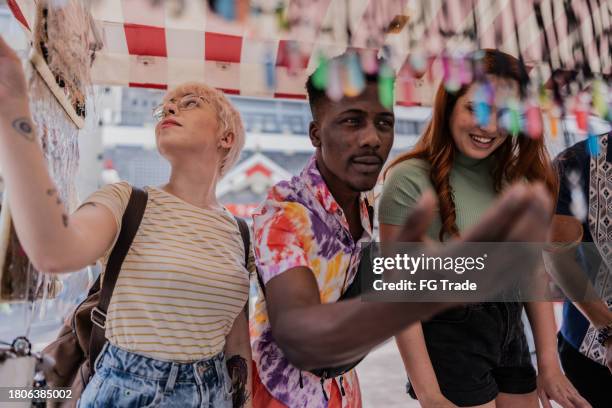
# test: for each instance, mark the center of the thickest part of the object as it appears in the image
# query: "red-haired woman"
(475, 355)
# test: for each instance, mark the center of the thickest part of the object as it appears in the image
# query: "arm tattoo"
(65, 220)
(51, 192)
(25, 128)
(238, 371)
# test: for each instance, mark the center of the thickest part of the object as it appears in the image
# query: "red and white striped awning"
(151, 46)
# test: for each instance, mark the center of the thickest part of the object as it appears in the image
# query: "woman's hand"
(554, 385)
(13, 87)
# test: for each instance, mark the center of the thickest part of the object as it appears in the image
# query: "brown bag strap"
(243, 227)
(129, 226)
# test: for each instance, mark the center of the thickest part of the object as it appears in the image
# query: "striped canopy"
(156, 44)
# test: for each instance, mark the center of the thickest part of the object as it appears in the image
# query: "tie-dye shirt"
(300, 224)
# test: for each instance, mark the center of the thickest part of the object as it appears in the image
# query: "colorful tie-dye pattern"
(301, 224)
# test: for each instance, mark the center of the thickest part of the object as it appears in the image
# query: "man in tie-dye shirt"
(307, 237)
(307, 241)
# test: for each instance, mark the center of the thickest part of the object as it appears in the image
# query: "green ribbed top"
(470, 180)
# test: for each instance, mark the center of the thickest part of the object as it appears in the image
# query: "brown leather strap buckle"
(98, 317)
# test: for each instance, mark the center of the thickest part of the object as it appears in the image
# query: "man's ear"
(315, 134)
(227, 140)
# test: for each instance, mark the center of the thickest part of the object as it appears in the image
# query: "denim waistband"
(211, 369)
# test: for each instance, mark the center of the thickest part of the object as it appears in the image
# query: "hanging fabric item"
(270, 70)
(334, 80)
(553, 120)
(294, 58)
(482, 104)
(581, 112)
(533, 118)
(385, 85)
(354, 82)
(464, 71)
(418, 63)
(600, 92)
(593, 144)
(225, 8)
(369, 61)
(320, 76)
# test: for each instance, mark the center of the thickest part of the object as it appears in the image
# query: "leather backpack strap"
(129, 226)
(246, 238)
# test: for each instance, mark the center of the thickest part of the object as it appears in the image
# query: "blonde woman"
(177, 319)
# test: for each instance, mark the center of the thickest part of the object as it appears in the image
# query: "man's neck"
(347, 199)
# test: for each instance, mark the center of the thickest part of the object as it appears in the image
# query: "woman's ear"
(227, 140)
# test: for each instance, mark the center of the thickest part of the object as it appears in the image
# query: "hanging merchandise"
(464, 70)
(354, 79)
(225, 8)
(270, 70)
(553, 120)
(294, 58)
(600, 93)
(482, 104)
(581, 112)
(451, 76)
(369, 61)
(321, 74)
(386, 82)
(334, 80)
(418, 63)
(533, 118)
(593, 144)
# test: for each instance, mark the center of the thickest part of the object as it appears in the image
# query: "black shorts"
(478, 351)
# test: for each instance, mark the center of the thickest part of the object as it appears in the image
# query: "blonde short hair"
(228, 117)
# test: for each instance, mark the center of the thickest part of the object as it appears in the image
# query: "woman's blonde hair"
(228, 117)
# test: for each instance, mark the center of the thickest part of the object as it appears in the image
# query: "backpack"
(79, 342)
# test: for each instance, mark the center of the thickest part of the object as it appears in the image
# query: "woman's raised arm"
(53, 240)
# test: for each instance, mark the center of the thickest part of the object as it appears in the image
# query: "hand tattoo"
(238, 372)
(25, 128)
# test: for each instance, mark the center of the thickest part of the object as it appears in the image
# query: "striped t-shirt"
(183, 281)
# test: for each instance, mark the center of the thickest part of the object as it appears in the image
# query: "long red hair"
(518, 158)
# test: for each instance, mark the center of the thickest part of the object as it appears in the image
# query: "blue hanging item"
(354, 79)
(593, 144)
(270, 71)
(226, 9)
(482, 108)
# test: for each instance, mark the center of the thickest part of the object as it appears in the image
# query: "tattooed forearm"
(238, 371)
(24, 127)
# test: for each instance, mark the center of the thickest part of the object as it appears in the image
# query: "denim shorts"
(124, 379)
(478, 351)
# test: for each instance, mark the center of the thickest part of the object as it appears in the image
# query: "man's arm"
(314, 335)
